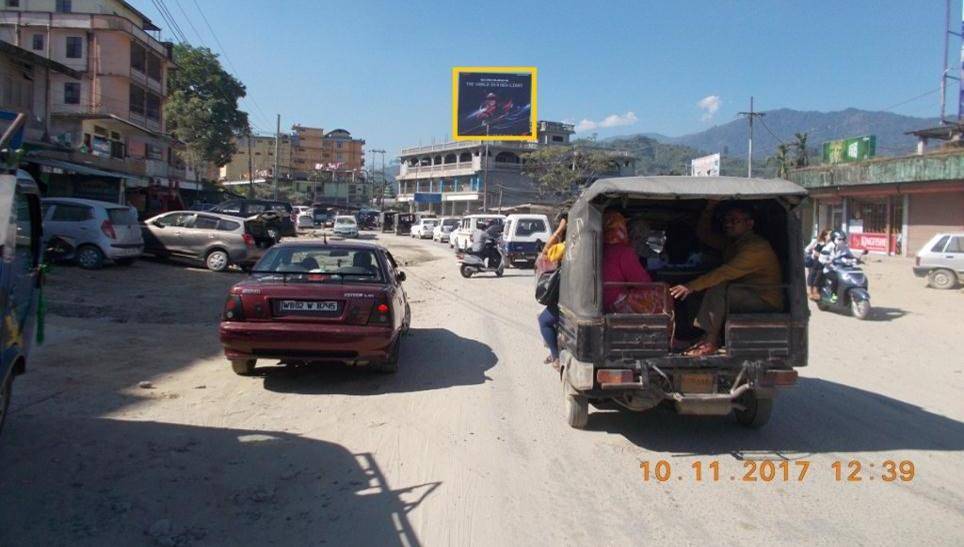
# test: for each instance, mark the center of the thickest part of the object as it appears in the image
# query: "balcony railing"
(96, 21)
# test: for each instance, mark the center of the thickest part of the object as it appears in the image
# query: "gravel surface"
(130, 428)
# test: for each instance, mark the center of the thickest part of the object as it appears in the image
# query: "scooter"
(473, 263)
(845, 288)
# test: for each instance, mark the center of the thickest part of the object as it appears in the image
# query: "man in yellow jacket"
(748, 260)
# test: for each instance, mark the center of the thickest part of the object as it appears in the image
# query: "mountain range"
(778, 126)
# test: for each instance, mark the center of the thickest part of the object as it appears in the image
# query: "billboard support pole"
(485, 172)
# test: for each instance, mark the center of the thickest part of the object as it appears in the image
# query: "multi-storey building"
(315, 150)
(262, 159)
(457, 178)
(104, 131)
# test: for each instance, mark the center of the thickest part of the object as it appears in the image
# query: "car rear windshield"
(529, 226)
(344, 221)
(319, 264)
(121, 216)
(450, 222)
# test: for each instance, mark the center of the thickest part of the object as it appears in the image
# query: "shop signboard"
(494, 103)
(873, 242)
(428, 197)
(848, 150)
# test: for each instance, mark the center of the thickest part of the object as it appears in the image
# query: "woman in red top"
(620, 263)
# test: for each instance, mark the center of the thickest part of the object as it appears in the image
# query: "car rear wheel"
(243, 367)
(756, 411)
(90, 257)
(942, 279)
(390, 365)
(217, 260)
(6, 390)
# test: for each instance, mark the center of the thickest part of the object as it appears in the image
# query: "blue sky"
(382, 69)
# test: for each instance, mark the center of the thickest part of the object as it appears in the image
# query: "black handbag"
(547, 288)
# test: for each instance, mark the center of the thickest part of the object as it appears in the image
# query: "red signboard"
(880, 243)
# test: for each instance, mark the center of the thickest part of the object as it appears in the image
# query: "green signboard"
(846, 150)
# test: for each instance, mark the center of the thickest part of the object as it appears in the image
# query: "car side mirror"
(400, 276)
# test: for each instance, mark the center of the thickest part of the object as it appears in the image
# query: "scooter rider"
(837, 248)
(484, 240)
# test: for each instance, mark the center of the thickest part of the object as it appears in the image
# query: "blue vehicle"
(21, 234)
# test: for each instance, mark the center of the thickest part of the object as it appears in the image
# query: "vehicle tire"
(757, 412)
(217, 260)
(124, 261)
(466, 271)
(942, 279)
(577, 411)
(243, 367)
(89, 257)
(6, 391)
(390, 365)
(860, 309)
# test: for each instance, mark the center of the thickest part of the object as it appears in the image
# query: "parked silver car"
(215, 240)
(941, 260)
(99, 231)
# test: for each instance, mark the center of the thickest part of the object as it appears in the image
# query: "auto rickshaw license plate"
(698, 382)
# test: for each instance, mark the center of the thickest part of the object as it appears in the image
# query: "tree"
(802, 157)
(202, 106)
(561, 169)
(782, 159)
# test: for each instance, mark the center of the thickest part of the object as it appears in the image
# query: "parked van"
(21, 232)
(524, 236)
(461, 238)
(941, 261)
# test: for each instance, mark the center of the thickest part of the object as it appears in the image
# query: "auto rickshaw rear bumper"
(714, 387)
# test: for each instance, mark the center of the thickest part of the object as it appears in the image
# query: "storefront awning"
(79, 169)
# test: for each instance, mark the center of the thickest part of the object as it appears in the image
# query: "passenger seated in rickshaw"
(621, 265)
(748, 260)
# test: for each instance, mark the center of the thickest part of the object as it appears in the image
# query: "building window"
(71, 93)
(38, 42)
(63, 6)
(137, 57)
(75, 47)
(154, 67)
(137, 100)
(153, 107)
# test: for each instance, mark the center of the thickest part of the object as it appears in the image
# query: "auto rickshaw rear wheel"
(756, 411)
(577, 411)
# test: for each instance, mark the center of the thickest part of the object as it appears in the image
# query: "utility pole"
(250, 168)
(749, 116)
(485, 172)
(277, 140)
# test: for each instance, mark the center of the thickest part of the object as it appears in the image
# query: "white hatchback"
(345, 226)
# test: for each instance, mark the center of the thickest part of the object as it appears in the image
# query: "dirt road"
(467, 444)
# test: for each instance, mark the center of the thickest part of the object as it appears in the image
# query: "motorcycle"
(845, 287)
(473, 263)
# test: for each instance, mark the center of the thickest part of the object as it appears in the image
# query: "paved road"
(467, 443)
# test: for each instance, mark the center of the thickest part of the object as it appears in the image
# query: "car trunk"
(311, 302)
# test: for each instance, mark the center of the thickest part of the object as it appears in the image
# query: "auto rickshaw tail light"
(780, 378)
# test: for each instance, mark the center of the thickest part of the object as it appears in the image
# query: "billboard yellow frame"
(533, 114)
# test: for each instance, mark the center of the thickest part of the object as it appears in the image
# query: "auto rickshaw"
(388, 221)
(630, 359)
(403, 223)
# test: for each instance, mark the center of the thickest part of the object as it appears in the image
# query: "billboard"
(706, 166)
(494, 103)
(847, 150)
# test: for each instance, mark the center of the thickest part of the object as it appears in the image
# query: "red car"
(317, 301)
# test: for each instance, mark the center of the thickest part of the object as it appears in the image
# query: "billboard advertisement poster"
(847, 150)
(494, 103)
(706, 166)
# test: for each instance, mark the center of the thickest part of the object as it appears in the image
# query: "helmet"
(837, 235)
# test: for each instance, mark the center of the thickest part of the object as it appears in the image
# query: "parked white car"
(444, 229)
(462, 236)
(100, 231)
(423, 228)
(345, 226)
(304, 217)
(941, 261)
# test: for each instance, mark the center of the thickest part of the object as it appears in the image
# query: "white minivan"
(524, 236)
(461, 238)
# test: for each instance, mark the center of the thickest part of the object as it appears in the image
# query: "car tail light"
(381, 313)
(108, 229)
(233, 310)
(248, 240)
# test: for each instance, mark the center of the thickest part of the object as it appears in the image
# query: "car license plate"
(308, 306)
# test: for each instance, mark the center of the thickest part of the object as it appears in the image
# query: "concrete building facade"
(315, 150)
(104, 133)
(262, 159)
